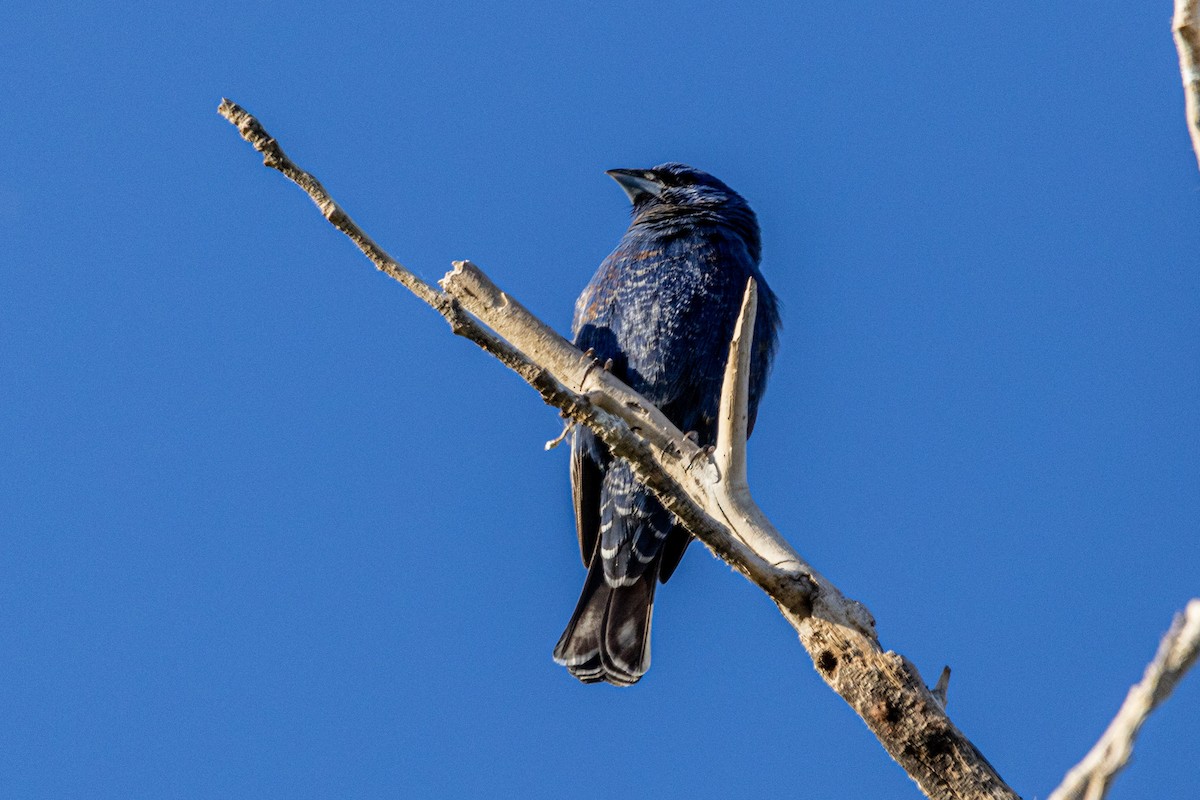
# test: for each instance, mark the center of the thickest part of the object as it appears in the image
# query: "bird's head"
(673, 191)
(675, 185)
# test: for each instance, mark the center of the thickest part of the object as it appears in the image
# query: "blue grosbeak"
(662, 307)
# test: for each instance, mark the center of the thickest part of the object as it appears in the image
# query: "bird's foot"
(594, 362)
(701, 453)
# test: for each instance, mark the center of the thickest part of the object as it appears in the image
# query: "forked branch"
(882, 687)
(709, 495)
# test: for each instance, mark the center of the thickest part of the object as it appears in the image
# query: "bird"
(659, 313)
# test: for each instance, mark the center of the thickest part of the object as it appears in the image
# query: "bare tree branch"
(1186, 26)
(1092, 777)
(710, 497)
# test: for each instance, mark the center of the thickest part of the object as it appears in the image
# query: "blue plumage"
(662, 306)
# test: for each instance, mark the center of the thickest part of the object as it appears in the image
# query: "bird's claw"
(701, 452)
(594, 362)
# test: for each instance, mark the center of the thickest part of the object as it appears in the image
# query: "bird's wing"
(672, 552)
(586, 482)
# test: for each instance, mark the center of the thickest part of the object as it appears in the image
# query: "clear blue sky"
(269, 530)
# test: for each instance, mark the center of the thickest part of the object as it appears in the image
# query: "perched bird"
(662, 307)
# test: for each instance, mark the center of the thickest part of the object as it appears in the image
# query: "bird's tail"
(608, 638)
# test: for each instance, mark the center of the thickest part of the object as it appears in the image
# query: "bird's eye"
(667, 179)
(650, 176)
(677, 179)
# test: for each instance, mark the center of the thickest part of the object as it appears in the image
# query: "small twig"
(1186, 26)
(943, 686)
(273, 156)
(1092, 777)
(557, 440)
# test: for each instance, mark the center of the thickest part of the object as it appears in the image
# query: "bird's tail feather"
(608, 637)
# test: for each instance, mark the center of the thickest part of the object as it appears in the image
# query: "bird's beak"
(635, 183)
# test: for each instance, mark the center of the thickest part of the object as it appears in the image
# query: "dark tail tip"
(608, 638)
